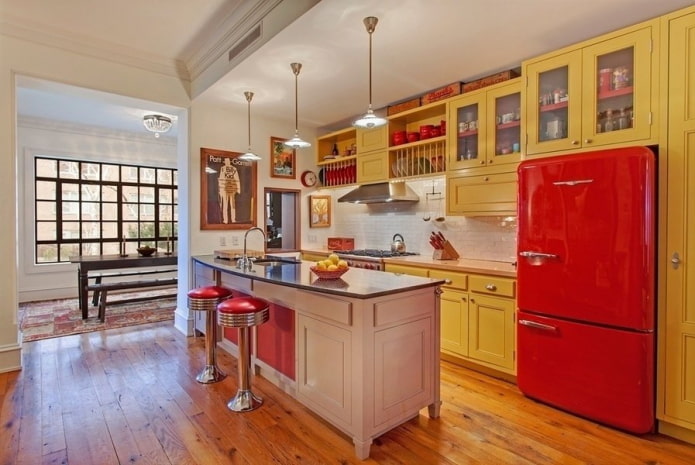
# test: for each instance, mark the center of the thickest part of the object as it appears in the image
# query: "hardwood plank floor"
(128, 396)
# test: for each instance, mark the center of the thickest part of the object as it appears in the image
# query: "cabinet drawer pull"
(533, 324)
(447, 281)
(490, 287)
(588, 141)
(575, 142)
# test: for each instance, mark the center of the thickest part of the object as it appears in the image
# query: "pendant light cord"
(249, 96)
(370, 68)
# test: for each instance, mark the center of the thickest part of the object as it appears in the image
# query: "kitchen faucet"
(244, 263)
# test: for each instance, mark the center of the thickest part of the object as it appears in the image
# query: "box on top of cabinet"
(403, 106)
(490, 80)
(442, 93)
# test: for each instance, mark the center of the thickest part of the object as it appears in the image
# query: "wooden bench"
(117, 274)
(103, 288)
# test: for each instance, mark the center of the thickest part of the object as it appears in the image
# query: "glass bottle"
(609, 125)
(335, 149)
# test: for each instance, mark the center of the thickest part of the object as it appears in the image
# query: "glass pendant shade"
(249, 155)
(296, 142)
(370, 120)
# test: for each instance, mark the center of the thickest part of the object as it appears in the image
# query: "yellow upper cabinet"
(485, 127)
(601, 92)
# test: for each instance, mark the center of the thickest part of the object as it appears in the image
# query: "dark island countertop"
(355, 283)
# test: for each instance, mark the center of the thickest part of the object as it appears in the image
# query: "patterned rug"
(52, 318)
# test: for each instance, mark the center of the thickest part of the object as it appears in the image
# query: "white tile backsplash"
(373, 226)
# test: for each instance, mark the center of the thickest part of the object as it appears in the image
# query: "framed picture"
(319, 211)
(227, 190)
(283, 163)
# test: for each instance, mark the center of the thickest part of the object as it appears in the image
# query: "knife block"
(447, 252)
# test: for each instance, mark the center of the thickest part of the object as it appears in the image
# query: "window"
(88, 208)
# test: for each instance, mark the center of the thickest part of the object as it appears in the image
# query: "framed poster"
(227, 190)
(283, 162)
(319, 211)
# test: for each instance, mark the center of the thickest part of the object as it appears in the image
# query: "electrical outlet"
(312, 238)
(223, 241)
(235, 241)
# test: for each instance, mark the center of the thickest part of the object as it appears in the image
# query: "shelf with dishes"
(418, 158)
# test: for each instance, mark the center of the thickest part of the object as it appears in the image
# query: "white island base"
(365, 365)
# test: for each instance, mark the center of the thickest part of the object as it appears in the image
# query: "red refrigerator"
(586, 280)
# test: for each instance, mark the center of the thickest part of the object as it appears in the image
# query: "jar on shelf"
(609, 125)
(621, 78)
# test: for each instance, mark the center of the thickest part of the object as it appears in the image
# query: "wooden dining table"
(92, 263)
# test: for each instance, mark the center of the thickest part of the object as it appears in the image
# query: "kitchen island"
(363, 349)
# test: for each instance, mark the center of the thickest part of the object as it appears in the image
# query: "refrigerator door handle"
(573, 183)
(537, 258)
(534, 324)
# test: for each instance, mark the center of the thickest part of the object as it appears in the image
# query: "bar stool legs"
(243, 313)
(244, 399)
(205, 299)
(210, 373)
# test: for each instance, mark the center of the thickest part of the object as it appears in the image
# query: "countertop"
(355, 283)
(464, 265)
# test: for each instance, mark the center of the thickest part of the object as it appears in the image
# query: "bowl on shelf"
(146, 250)
(326, 274)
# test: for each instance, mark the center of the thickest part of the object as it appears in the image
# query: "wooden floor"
(128, 396)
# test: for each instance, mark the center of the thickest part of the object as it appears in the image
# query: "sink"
(275, 261)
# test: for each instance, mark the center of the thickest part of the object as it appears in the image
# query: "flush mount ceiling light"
(370, 120)
(249, 155)
(156, 123)
(296, 142)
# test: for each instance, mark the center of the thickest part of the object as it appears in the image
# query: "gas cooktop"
(375, 253)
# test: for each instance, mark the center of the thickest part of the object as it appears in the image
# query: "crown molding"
(103, 50)
(64, 127)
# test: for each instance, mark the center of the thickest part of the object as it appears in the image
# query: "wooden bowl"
(146, 251)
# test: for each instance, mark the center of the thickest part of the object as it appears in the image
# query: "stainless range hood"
(383, 192)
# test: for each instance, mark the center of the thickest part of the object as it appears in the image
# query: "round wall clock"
(309, 178)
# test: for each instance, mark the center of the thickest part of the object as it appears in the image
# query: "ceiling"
(417, 46)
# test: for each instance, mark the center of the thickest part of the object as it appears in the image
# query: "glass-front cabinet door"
(467, 133)
(618, 80)
(504, 115)
(553, 103)
(486, 127)
(595, 95)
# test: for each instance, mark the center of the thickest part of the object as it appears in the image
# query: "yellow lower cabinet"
(454, 326)
(491, 331)
(312, 257)
(405, 269)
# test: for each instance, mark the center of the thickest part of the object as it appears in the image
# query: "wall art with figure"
(227, 190)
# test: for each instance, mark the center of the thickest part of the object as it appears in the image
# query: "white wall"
(219, 128)
(20, 57)
(373, 226)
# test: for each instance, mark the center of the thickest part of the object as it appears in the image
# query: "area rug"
(53, 318)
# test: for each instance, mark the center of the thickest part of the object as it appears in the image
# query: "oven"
(369, 259)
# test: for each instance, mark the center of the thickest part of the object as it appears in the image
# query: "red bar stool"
(243, 313)
(205, 299)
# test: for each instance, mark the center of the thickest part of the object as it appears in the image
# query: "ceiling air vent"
(244, 43)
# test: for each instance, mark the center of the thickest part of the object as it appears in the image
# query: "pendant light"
(249, 155)
(370, 120)
(296, 142)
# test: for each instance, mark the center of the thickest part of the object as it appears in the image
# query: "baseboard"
(678, 432)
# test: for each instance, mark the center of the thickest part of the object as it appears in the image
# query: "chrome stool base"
(244, 401)
(210, 374)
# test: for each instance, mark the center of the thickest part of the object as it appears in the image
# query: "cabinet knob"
(575, 142)
(447, 281)
(486, 178)
(588, 141)
(482, 162)
(490, 162)
(490, 287)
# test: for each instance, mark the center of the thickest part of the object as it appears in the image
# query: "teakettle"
(398, 244)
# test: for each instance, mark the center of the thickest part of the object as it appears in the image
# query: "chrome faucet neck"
(244, 262)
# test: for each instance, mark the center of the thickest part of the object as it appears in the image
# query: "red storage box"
(341, 243)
